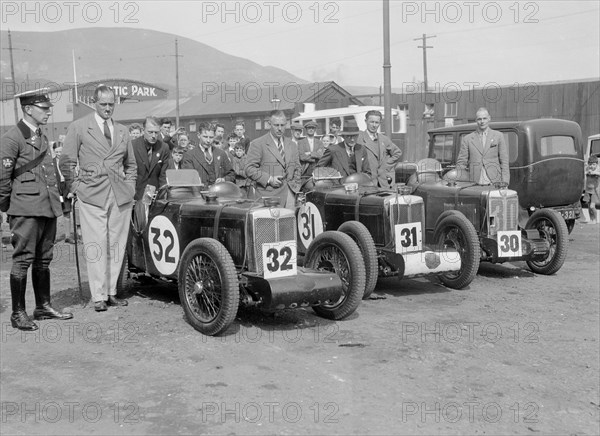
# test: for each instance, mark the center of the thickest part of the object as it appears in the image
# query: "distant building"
(453, 104)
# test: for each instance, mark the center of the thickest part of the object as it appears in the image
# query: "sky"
(474, 43)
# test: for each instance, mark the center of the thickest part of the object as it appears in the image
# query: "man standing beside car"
(273, 164)
(151, 156)
(484, 154)
(382, 153)
(105, 187)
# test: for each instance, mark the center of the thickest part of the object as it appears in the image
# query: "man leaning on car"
(485, 152)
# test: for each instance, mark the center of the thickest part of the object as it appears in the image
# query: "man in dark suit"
(382, 153)
(151, 157)
(485, 153)
(29, 195)
(240, 130)
(273, 163)
(212, 163)
(105, 187)
(347, 157)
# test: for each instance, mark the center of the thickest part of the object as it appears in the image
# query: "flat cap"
(311, 124)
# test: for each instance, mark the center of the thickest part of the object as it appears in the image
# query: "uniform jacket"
(100, 167)
(493, 156)
(383, 156)
(150, 171)
(336, 157)
(264, 160)
(309, 161)
(194, 159)
(35, 192)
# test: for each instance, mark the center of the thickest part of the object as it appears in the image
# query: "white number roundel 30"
(310, 224)
(164, 244)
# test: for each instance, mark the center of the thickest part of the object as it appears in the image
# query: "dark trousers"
(33, 243)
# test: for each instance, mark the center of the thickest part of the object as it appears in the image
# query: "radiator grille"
(503, 212)
(406, 209)
(269, 229)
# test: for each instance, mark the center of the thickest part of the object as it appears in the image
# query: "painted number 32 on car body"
(279, 259)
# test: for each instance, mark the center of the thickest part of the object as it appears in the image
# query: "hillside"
(147, 55)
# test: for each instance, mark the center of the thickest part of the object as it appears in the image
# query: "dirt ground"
(514, 353)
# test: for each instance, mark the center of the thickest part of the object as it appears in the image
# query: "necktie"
(280, 148)
(107, 133)
(38, 132)
(149, 153)
(350, 151)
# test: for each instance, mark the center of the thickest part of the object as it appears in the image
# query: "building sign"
(125, 90)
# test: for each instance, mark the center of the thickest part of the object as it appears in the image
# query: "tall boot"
(19, 318)
(41, 288)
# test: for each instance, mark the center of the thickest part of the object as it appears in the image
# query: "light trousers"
(104, 231)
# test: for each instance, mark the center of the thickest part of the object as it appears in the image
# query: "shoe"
(48, 312)
(21, 321)
(114, 301)
(100, 306)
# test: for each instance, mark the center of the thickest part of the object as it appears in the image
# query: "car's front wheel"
(456, 232)
(336, 252)
(551, 227)
(208, 286)
(361, 235)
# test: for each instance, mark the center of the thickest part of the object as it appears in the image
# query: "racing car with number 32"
(224, 250)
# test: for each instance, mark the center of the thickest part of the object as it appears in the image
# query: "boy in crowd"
(238, 162)
(174, 162)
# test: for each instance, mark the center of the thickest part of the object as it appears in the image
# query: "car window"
(443, 148)
(550, 145)
(595, 147)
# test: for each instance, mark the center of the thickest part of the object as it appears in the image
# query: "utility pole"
(176, 84)
(12, 76)
(387, 67)
(424, 47)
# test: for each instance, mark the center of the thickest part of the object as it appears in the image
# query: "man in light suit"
(382, 153)
(105, 187)
(347, 157)
(212, 163)
(151, 157)
(273, 164)
(485, 152)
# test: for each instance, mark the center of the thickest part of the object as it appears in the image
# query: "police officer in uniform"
(29, 195)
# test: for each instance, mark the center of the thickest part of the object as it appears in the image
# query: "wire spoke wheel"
(551, 227)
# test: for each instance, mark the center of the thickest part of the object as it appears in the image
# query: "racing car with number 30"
(224, 250)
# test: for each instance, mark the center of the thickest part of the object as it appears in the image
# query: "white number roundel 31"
(310, 223)
(164, 244)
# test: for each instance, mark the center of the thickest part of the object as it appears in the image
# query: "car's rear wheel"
(455, 231)
(361, 235)
(338, 253)
(208, 286)
(551, 227)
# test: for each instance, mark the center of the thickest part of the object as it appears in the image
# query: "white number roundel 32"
(310, 223)
(164, 244)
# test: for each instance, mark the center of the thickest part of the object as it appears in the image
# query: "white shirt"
(100, 122)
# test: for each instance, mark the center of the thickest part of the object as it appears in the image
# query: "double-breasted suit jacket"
(35, 192)
(383, 156)
(101, 167)
(219, 168)
(493, 156)
(264, 161)
(151, 170)
(336, 156)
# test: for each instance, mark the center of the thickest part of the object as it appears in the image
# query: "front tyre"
(336, 252)
(456, 231)
(361, 235)
(208, 286)
(551, 227)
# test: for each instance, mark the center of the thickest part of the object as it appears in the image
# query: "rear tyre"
(361, 235)
(456, 231)
(338, 253)
(551, 227)
(208, 286)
